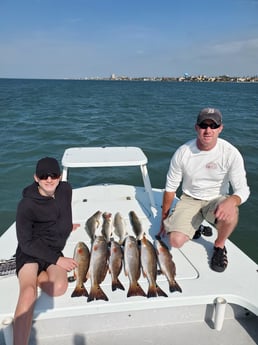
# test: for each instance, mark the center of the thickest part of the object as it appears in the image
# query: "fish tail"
(160, 292)
(116, 284)
(155, 290)
(96, 293)
(135, 290)
(80, 291)
(152, 291)
(174, 287)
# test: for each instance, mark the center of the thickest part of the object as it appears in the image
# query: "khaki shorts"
(189, 213)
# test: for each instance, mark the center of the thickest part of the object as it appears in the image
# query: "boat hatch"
(92, 157)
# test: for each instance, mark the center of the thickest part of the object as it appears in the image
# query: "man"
(207, 166)
(43, 224)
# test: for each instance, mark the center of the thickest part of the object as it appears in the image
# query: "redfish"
(82, 257)
(115, 265)
(98, 268)
(132, 267)
(149, 268)
(167, 265)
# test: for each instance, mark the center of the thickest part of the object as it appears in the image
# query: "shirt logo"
(211, 165)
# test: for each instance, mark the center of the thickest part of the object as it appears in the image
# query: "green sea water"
(44, 117)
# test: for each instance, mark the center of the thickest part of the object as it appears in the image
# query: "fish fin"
(80, 291)
(174, 287)
(117, 285)
(135, 290)
(96, 293)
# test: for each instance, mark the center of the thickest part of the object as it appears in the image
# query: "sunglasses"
(54, 176)
(212, 125)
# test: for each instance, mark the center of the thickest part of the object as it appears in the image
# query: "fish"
(167, 265)
(149, 267)
(98, 268)
(115, 265)
(92, 224)
(132, 266)
(82, 257)
(136, 225)
(107, 226)
(120, 227)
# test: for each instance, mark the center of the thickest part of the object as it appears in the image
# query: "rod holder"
(220, 308)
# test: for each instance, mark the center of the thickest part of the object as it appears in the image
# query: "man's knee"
(177, 239)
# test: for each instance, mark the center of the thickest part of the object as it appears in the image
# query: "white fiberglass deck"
(66, 318)
(199, 284)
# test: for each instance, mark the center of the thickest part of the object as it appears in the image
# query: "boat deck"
(200, 285)
(182, 318)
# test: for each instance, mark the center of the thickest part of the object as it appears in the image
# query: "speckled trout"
(92, 224)
(107, 226)
(136, 225)
(120, 227)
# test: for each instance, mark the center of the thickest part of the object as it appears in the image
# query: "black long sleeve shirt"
(43, 224)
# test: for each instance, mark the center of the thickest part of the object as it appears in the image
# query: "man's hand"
(168, 198)
(162, 231)
(226, 210)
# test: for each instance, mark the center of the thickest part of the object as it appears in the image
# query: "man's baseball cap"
(209, 114)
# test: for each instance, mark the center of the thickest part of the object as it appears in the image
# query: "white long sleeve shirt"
(206, 175)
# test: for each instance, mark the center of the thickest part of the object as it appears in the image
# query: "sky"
(134, 38)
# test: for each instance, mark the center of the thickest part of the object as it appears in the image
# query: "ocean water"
(44, 117)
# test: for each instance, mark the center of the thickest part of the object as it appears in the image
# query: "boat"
(214, 308)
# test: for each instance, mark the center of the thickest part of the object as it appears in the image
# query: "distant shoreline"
(198, 79)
